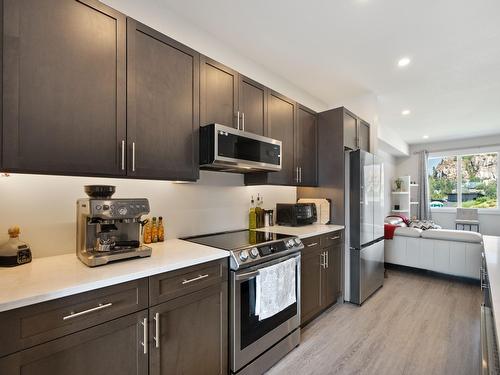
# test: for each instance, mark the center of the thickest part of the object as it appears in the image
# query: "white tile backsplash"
(45, 206)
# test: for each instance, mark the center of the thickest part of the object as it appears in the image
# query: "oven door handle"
(246, 276)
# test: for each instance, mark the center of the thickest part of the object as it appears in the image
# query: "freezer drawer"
(367, 271)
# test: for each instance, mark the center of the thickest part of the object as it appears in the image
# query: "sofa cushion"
(393, 220)
(408, 232)
(424, 224)
(453, 235)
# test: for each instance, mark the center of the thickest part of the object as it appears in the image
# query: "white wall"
(389, 172)
(158, 16)
(489, 221)
(45, 206)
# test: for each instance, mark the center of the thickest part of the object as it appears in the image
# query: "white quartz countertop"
(492, 256)
(59, 276)
(303, 231)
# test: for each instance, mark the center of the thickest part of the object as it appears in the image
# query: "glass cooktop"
(237, 239)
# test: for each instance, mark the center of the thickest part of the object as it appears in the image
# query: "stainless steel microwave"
(231, 150)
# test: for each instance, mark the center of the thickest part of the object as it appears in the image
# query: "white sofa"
(451, 252)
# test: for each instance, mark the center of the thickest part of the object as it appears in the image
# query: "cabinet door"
(364, 135)
(162, 106)
(281, 124)
(311, 272)
(350, 131)
(110, 348)
(63, 87)
(253, 106)
(306, 151)
(218, 93)
(332, 274)
(189, 334)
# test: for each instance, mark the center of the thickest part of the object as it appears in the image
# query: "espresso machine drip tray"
(94, 258)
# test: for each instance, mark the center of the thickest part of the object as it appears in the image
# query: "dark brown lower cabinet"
(189, 334)
(310, 287)
(103, 332)
(332, 272)
(320, 275)
(109, 348)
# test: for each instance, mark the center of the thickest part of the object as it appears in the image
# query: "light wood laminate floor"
(415, 324)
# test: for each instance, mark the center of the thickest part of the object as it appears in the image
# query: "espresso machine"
(109, 229)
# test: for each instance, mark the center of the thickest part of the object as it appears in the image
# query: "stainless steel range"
(256, 343)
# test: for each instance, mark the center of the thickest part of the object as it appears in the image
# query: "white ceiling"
(339, 49)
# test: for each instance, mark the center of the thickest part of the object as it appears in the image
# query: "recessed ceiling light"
(425, 137)
(405, 112)
(403, 62)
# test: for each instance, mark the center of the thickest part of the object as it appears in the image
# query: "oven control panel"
(259, 253)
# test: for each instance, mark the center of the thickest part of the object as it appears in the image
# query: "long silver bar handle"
(238, 120)
(300, 174)
(97, 308)
(157, 330)
(133, 156)
(312, 244)
(145, 335)
(335, 238)
(246, 276)
(243, 121)
(123, 155)
(322, 261)
(297, 174)
(327, 259)
(195, 279)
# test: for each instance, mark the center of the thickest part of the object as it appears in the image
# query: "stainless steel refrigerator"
(366, 218)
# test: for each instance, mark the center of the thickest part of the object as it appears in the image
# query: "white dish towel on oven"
(275, 289)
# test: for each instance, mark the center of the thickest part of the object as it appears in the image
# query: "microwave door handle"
(238, 120)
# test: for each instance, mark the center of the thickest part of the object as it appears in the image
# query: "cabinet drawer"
(333, 238)
(28, 326)
(113, 347)
(311, 243)
(169, 285)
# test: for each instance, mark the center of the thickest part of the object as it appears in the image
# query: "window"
(468, 181)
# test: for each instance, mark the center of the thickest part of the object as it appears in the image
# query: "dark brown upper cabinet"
(356, 131)
(252, 106)
(306, 146)
(364, 135)
(162, 106)
(297, 128)
(350, 131)
(281, 120)
(218, 94)
(64, 78)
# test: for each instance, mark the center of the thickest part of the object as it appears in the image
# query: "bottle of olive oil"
(259, 213)
(154, 231)
(252, 218)
(161, 230)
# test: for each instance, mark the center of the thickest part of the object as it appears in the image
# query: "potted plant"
(399, 183)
